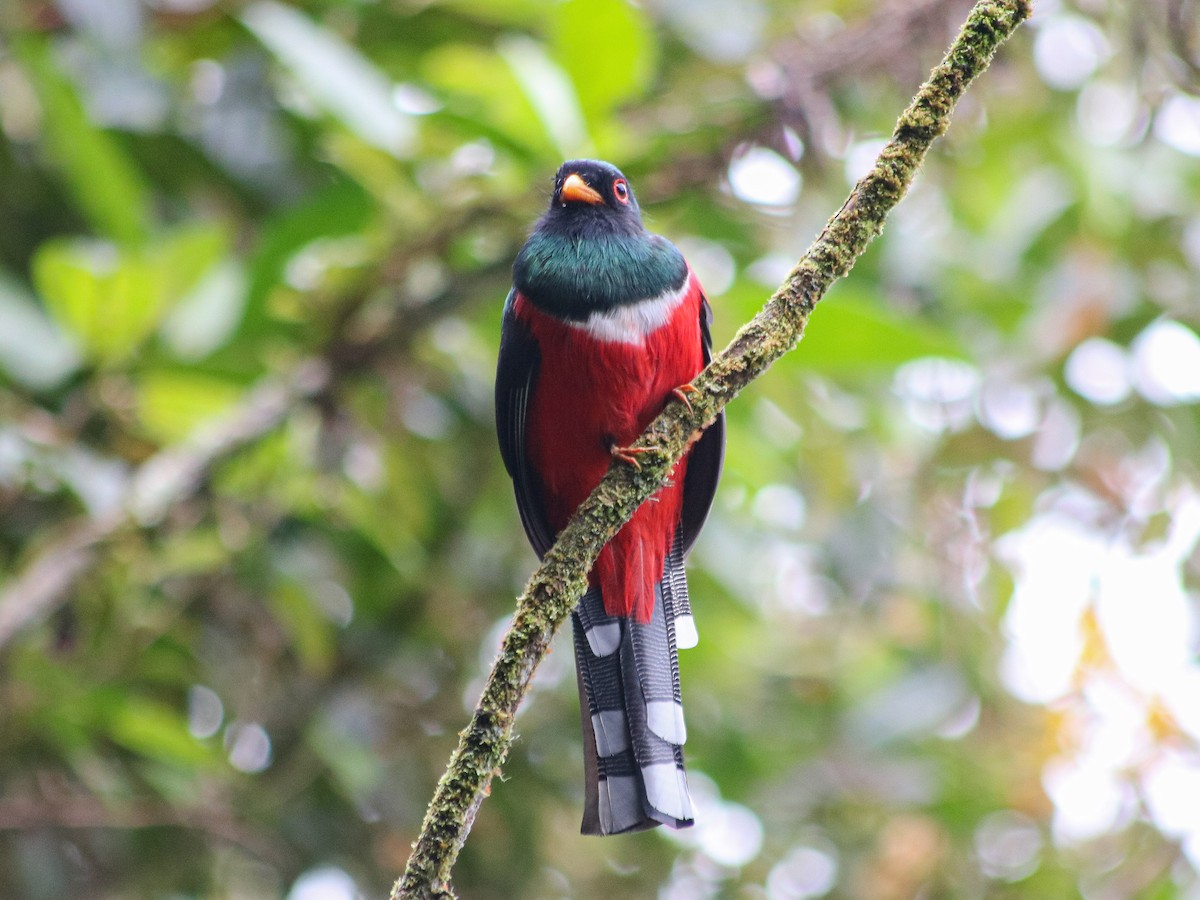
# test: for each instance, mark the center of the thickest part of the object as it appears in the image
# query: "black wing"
(516, 372)
(706, 457)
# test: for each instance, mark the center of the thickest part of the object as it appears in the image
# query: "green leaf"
(157, 731)
(341, 208)
(608, 49)
(480, 85)
(550, 92)
(208, 315)
(356, 765)
(33, 350)
(334, 74)
(113, 298)
(184, 255)
(853, 333)
(106, 183)
(310, 632)
(109, 303)
(525, 14)
(195, 552)
(172, 404)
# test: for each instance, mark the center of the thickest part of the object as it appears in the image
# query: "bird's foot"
(681, 394)
(628, 455)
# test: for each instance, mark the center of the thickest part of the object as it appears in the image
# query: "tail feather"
(603, 631)
(633, 726)
(613, 791)
(622, 797)
(660, 761)
(656, 670)
(675, 584)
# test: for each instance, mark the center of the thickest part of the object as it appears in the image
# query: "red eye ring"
(621, 190)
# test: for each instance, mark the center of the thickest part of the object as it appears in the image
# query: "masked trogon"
(605, 324)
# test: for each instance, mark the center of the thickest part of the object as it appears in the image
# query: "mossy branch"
(560, 580)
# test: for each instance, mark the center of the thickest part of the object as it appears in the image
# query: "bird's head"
(593, 196)
(590, 251)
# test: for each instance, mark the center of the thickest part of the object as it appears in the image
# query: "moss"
(561, 578)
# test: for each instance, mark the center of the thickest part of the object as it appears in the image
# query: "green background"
(250, 690)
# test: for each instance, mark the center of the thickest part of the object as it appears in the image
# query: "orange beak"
(574, 188)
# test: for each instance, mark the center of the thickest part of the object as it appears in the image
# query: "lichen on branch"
(561, 578)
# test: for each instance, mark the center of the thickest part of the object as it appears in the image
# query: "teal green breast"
(572, 277)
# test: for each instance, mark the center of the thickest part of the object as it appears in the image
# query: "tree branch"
(562, 577)
(882, 44)
(70, 810)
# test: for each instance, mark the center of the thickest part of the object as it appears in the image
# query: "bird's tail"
(633, 729)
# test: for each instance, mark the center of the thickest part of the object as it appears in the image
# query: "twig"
(163, 481)
(881, 44)
(19, 813)
(561, 579)
(1180, 24)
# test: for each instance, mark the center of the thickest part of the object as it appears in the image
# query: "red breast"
(601, 386)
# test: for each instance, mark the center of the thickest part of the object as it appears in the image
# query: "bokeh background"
(257, 545)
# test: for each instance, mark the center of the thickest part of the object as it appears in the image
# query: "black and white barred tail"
(633, 728)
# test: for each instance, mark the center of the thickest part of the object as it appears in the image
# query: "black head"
(592, 196)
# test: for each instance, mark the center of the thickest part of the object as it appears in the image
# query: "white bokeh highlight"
(763, 177)
(1166, 363)
(1177, 124)
(1103, 628)
(1068, 50)
(1098, 370)
(325, 883)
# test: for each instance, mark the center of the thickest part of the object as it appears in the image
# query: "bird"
(605, 324)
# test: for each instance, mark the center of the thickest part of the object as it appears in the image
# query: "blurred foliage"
(253, 691)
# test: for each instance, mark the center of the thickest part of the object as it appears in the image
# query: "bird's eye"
(621, 190)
